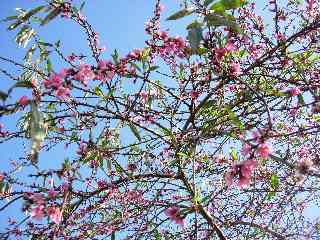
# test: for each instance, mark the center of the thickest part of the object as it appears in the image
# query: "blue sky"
(120, 25)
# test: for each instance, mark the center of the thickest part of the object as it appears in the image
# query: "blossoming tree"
(224, 145)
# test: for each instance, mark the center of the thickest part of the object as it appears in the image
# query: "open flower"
(243, 172)
(173, 214)
(37, 212)
(264, 150)
(24, 100)
(55, 214)
(295, 91)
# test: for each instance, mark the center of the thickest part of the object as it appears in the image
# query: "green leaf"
(29, 54)
(113, 236)
(134, 131)
(234, 118)
(3, 95)
(217, 21)
(23, 84)
(152, 68)
(9, 18)
(301, 100)
(180, 14)
(54, 13)
(115, 56)
(31, 13)
(233, 154)
(82, 6)
(194, 24)
(98, 91)
(207, 2)
(14, 25)
(49, 66)
(274, 181)
(224, 5)
(57, 44)
(195, 37)
(37, 131)
(157, 234)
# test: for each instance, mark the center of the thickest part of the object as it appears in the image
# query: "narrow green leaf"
(10, 18)
(115, 56)
(31, 13)
(49, 66)
(113, 236)
(233, 154)
(157, 234)
(152, 68)
(23, 84)
(37, 132)
(274, 181)
(207, 2)
(180, 14)
(3, 95)
(98, 91)
(54, 13)
(224, 5)
(82, 6)
(301, 100)
(194, 24)
(195, 37)
(217, 21)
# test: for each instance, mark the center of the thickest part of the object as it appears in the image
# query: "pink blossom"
(303, 152)
(219, 158)
(220, 52)
(84, 74)
(1, 177)
(63, 93)
(52, 193)
(38, 198)
(194, 95)
(55, 214)
(311, 4)
(173, 214)
(64, 187)
(24, 100)
(235, 69)
(247, 167)
(144, 95)
(295, 91)
(82, 148)
(55, 81)
(243, 182)
(246, 150)
(3, 133)
(230, 47)
(37, 212)
(305, 165)
(264, 150)
(72, 57)
(229, 178)
(280, 37)
(243, 171)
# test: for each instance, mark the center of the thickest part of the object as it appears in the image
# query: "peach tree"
(211, 135)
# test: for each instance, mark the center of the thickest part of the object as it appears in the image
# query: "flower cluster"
(242, 172)
(56, 82)
(173, 214)
(39, 210)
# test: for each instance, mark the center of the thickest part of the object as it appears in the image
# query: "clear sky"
(120, 25)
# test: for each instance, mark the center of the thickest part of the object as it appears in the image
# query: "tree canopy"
(211, 135)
